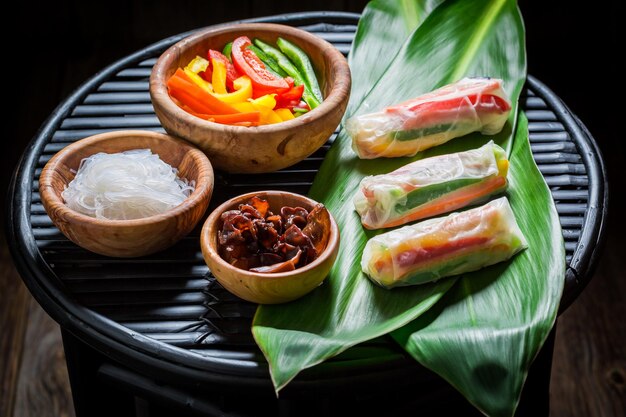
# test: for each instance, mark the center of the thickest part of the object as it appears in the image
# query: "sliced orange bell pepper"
(239, 119)
(180, 84)
(187, 101)
(252, 117)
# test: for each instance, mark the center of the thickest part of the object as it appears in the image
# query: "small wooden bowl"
(262, 148)
(127, 238)
(267, 288)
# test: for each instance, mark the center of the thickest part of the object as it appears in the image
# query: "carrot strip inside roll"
(432, 186)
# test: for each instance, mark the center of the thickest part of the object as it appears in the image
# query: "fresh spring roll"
(469, 105)
(432, 186)
(436, 248)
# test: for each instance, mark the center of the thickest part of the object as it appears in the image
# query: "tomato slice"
(247, 63)
(231, 72)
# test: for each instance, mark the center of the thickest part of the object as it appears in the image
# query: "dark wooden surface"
(14, 301)
(33, 376)
(589, 368)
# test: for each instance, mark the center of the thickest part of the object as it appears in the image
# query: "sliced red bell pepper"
(247, 63)
(207, 74)
(290, 98)
(295, 93)
(231, 72)
(414, 257)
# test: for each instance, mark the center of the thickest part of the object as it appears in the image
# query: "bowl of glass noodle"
(127, 193)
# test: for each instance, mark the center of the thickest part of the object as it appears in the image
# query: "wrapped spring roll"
(469, 105)
(432, 186)
(437, 248)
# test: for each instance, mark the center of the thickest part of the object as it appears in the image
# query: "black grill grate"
(170, 297)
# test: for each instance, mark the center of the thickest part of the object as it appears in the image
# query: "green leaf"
(339, 314)
(458, 38)
(373, 49)
(293, 345)
(498, 318)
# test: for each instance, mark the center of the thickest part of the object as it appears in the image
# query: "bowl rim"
(339, 67)
(207, 243)
(204, 185)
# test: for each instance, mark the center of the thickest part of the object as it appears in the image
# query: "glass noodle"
(123, 186)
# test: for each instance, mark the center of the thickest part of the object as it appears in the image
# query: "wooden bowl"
(262, 148)
(127, 238)
(271, 288)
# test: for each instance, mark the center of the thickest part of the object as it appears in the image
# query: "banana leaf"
(373, 50)
(331, 330)
(458, 38)
(496, 319)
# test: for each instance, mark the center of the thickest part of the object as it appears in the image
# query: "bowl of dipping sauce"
(104, 212)
(253, 149)
(270, 247)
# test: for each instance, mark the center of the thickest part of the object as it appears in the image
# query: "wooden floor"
(33, 376)
(589, 367)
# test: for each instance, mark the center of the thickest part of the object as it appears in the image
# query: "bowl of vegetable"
(270, 247)
(127, 193)
(254, 97)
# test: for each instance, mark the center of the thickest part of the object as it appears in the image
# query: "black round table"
(157, 335)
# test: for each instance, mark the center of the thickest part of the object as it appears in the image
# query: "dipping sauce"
(254, 238)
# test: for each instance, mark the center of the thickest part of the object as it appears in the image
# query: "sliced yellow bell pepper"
(503, 167)
(284, 114)
(268, 116)
(198, 64)
(198, 80)
(243, 91)
(268, 101)
(219, 76)
(244, 107)
(264, 105)
(195, 66)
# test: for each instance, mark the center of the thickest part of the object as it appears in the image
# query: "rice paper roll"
(436, 248)
(432, 186)
(469, 105)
